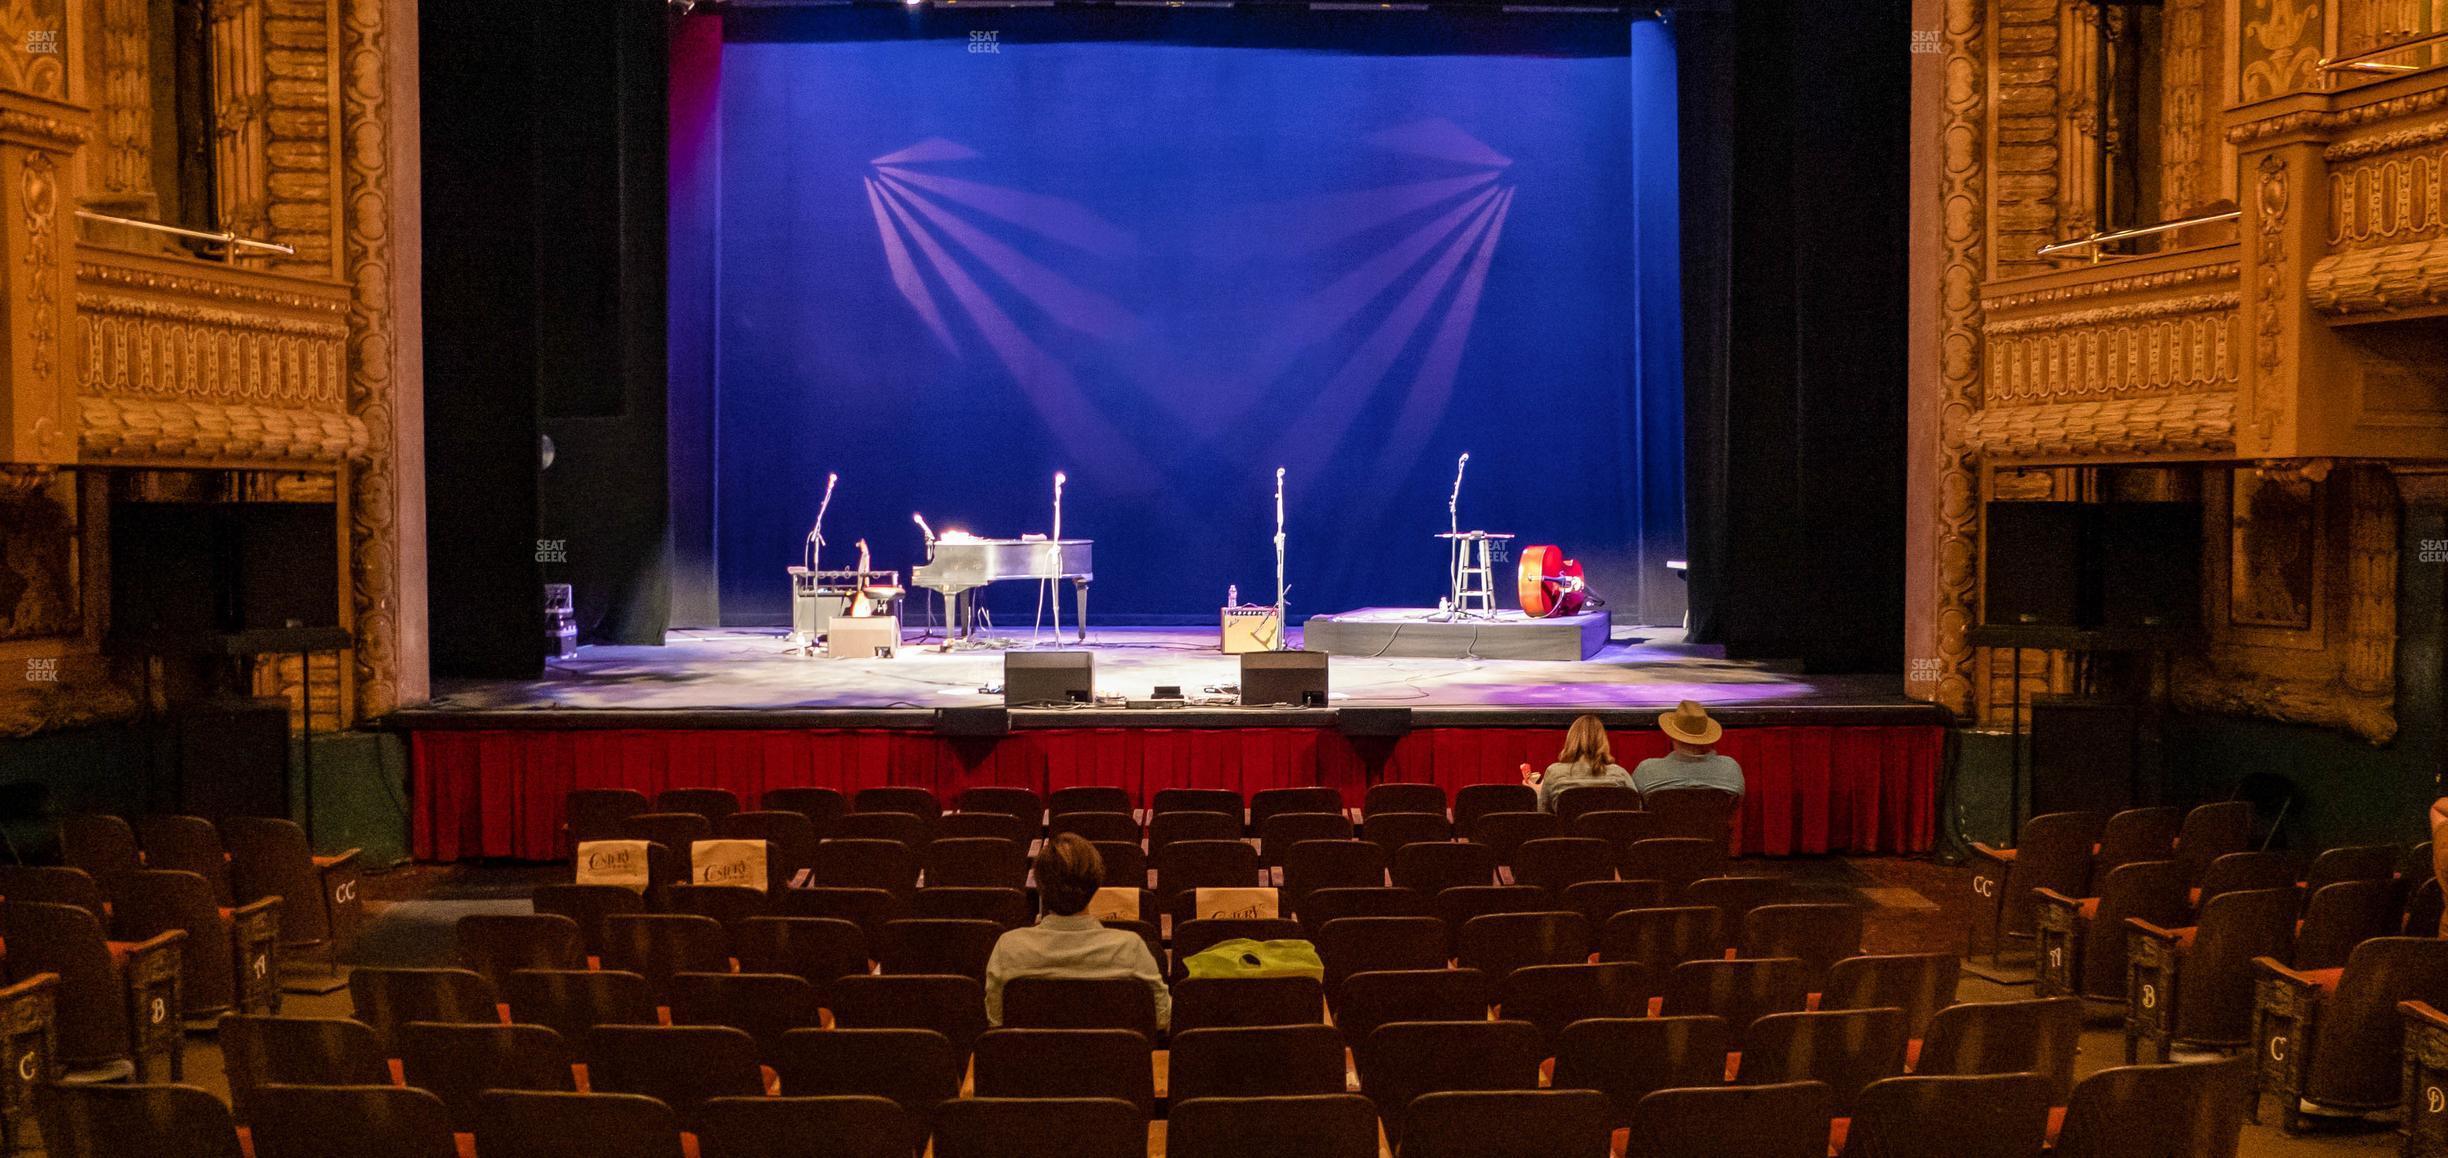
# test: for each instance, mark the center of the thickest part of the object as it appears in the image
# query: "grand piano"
(957, 565)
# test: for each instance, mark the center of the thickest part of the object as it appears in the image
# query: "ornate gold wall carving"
(2269, 298)
(38, 140)
(2163, 424)
(40, 594)
(148, 356)
(2391, 197)
(2281, 49)
(2201, 355)
(2175, 345)
(239, 107)
(119, 168)
(2026, 178)
(301, 123)
(2340, 671)
(157, 431)
(175, 347)
(22, 70)
(2192, 165)
(2380, 279)
(197, 363)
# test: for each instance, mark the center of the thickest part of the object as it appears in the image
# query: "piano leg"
(1082, 586)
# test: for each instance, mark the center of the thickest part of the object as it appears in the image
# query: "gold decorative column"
(38, 409)
(378, 134)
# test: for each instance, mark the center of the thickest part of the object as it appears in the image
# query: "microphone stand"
(1050, 591)
(1282, 625)
(811, 553)
(815, 539)
(1458, 555)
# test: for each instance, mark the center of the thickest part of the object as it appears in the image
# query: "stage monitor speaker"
(2033, 573)
(1381, 723)
(994, 720)
(1048, 677)
(2149, 561)
(1284, 677)
(2085, 756)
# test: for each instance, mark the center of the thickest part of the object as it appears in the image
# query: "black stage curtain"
(1795, 178)
(543, 139)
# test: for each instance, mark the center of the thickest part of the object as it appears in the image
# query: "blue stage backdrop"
(957, 252)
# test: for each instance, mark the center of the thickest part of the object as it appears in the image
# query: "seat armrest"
(2144, 928)
(269, 904)
(2279, 971)
(345, 858)
(169, 939)
(2423, 1012)
(1989, 852)
(2054, 897)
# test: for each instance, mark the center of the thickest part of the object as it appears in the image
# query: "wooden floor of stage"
(740, 675)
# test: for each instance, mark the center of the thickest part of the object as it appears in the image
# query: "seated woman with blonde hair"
(1585, 760)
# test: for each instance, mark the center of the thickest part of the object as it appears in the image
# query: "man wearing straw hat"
(1694, 763)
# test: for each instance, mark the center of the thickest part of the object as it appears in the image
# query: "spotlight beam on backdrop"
(1336, 405)
(1054, 218)
(1324, 313)
(1308, 223)
(1083, 430)
(924, 210)
(1062, 300)
(1424, 404)
(905, 275)
(1166, 266)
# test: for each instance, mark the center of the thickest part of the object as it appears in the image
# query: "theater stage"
(1838, 764)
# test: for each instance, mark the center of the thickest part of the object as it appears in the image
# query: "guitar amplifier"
(1251, 627)
(864, 637)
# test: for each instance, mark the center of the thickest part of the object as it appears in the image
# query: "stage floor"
(754, 673)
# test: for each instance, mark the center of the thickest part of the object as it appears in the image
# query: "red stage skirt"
(498, 793)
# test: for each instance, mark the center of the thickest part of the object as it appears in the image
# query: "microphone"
(923, 529)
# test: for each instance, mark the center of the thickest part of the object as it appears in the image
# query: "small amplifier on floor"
(1250, 627)
(864, 637)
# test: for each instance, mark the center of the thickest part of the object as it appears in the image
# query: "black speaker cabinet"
(1284, 677)
(233, 759)
(288, 565)
(1374, 723)
(2032, 576)
(2086, 755)
(185, 573)
(1048, 677)
(2149, 565)
(2092, 565)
